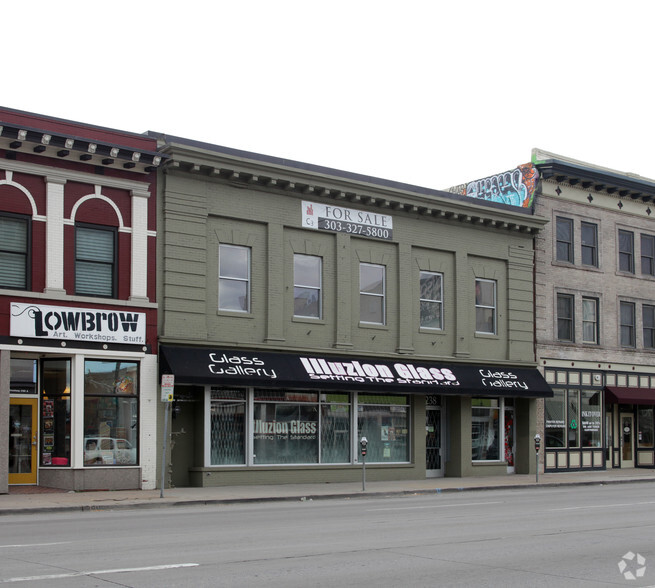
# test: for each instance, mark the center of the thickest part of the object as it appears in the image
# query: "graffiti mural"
(515, 187)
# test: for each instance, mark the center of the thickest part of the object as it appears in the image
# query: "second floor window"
(648, 317)
(627, 318)
(565, 308)
(648, 255)
(371, 293)
(485, 306)
(431, 301)
(589, 244)
(234, 278)
(590, 320)
(95, 261)
(626, 251)
(564, 237)
(307, 286)
(14, 252)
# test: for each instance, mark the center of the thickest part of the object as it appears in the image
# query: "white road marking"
(35, 544)
(97, 573)
(435, 506)
(603, 505)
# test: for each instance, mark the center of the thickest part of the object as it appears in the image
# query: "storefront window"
(288, 426)
(56, 412)
(228, 426)
(285, 427)
(590, 418)
(485, 431)
(111, 403)
(555, 424)
(22, 379)
(645, 428)
(335, 428)
(384, 421)
(573, 419)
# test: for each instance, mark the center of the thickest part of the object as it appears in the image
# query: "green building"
(302, 309)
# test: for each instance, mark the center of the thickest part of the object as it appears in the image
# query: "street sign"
(167, 386)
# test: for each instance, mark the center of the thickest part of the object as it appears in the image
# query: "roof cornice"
(18, 138)
(590, 177)
(242, 169)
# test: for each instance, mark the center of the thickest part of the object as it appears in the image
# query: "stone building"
(595, 314)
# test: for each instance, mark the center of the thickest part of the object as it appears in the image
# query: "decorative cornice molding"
(62, 175)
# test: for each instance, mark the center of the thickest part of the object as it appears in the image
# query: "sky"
(431, 93)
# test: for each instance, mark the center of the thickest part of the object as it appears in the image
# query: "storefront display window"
(590, 418)
(228, 426)
(573, 419)
(335, 428)
(384, 421)
(288, 426)
(555, 424)
(22, 379)
(111, 412)
(485, 429)
(56, 412)
(285, 427)
(645, 428)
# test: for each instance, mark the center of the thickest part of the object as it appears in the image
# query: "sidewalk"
(29, 499)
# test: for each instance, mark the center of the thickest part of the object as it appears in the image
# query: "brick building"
(78, 313)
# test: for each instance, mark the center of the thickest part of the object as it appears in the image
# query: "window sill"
(235, 314)
(432, 331)
(308, 320)
(374, 326)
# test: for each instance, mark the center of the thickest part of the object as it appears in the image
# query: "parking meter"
(537, 446)
(363, 443)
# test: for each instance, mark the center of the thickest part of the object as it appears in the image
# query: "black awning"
(230, 367)
(625, 395)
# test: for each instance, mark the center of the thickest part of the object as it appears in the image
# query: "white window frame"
(298, 284)
(493, 307)
(437, 302)
(382, 296)
(594, 322)
(227, 278)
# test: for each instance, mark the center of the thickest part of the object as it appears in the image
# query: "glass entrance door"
(433, 461)
(627, 440)
(22, 440)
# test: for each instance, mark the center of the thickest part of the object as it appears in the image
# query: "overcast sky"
(430, 93)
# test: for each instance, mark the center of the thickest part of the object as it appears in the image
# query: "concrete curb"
(169, 503)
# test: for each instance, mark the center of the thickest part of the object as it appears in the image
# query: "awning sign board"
(246, 368)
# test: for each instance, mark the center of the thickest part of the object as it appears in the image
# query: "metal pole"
(537, 460)
(163, 453)
(363, 473)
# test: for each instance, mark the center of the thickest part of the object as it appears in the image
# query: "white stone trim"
(72, 176)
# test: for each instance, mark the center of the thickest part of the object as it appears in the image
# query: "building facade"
(78, 312)
(595, 311)
(302, 309)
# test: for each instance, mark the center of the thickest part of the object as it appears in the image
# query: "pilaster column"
(140, 268)
(54, 250)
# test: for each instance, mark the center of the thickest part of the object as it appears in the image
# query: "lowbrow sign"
(280, 370)
(338, 219)
(79, 324)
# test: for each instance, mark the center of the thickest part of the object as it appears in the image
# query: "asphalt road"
(567, 536)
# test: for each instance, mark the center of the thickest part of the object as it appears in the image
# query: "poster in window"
(48, 442)
(48, 408)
